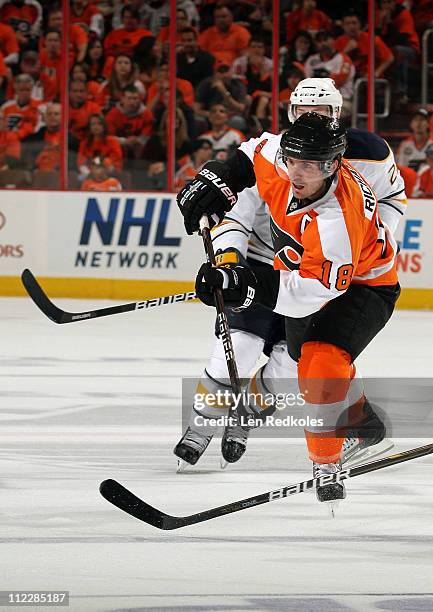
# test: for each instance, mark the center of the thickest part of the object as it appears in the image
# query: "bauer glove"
(233, 275)
(208, 194)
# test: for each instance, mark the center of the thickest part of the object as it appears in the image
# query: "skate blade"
(181, 466)
(370, 452)
(332, 507)
(223, 463)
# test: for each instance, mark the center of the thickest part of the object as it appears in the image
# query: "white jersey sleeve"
(246, 228)
(377, 165)
(235, 229)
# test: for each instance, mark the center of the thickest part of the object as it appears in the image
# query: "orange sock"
(324, 373)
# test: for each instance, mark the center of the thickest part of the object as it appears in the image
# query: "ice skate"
(233, 442)
(190, 448)
(365, 440)
(330, 493)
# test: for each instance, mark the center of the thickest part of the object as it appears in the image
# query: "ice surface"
(99, 399)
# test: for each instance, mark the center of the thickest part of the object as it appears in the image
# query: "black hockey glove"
(233, 275)
(208, 194)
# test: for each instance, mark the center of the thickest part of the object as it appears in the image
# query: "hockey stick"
(58, 315)
(119, 496)
(222, 321)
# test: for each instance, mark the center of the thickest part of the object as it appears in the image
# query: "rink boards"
(133, 246)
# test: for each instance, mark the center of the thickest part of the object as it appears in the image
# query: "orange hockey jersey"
(325, 246)
(23, 120)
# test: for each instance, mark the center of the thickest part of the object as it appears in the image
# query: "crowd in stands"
(119, 82)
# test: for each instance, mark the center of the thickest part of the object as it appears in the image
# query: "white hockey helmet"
(315, 92)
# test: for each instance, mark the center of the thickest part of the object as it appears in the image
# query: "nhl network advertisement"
(141, 236)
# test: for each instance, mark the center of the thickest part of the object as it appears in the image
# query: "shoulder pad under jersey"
(365, 145)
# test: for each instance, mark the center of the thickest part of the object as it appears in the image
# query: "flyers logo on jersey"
(260, 146)
(287, 250)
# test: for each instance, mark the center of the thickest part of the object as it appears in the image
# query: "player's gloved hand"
(233, 276)
(208, 194)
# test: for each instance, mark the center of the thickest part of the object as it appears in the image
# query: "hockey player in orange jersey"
(334, 279)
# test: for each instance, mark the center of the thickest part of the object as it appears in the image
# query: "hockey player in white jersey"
(247, 229)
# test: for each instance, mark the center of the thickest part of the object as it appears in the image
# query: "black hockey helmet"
(313, 137)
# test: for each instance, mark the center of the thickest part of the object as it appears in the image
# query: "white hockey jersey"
(247, 226)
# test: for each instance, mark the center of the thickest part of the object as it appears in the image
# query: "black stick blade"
(35, 291)
(123, 499)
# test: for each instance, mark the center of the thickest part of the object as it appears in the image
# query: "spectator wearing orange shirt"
(424, 184)
(397, 29)
(10, 146)
(131, 122)
(162, 40)
(99, 179)
(81, 72)
(99, 144)
(78, 37)
(123, 74)
(225, 40)
(43, 147)
(85, 14)
(22, 115)
(51, 55)
(80, 108)
(124, 40)
(9, 44)
(355, 44)
(157, 92)
(306, 18)
(25, 17)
